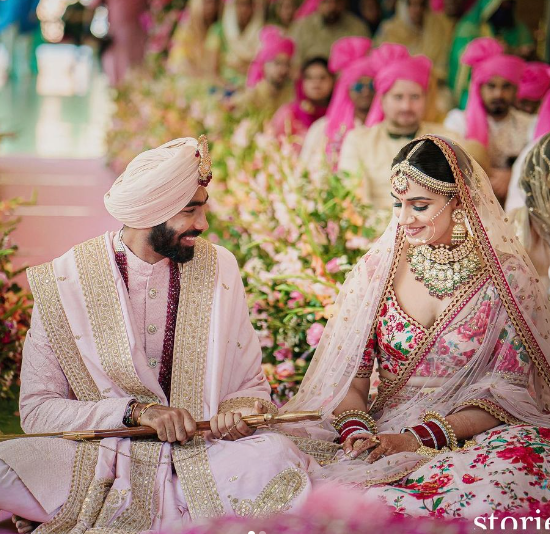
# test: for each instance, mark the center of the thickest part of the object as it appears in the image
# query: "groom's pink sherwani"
(91, 348)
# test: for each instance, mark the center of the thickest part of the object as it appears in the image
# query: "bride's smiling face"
(424, 216)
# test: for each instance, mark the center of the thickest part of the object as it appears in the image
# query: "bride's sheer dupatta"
(490, 348)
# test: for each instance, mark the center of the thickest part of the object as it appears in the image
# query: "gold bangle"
(132, 413)
(144, 409)
(360, 415)
(452, 441)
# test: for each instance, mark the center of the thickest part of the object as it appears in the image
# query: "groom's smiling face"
(175, 238)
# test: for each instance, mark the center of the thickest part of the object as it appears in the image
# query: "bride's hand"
(358, 443)
(392, 444)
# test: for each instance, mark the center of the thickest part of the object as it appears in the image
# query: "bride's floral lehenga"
(489, 349)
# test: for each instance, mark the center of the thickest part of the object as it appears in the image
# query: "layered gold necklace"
(444, 270)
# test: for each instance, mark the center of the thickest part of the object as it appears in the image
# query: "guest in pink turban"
(543, 122)
(346, 50)
(274, 48)
(268, 80)
(349, 104)
(495, 76)
(396, 116)
(490, 117)
(534, 85)
(393, 64)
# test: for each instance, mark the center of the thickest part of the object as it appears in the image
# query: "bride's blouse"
(397, 336)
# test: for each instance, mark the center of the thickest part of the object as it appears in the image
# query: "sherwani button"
(153, 293)
(152, 329)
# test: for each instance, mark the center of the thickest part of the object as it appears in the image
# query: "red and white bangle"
(437, 421)
(428, 434)
(354, 422)
(351, 427)
(433, 433)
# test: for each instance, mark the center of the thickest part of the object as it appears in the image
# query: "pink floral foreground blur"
(340, 510)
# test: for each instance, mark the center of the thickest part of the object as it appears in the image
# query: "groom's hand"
(171, 424)
(230, 426)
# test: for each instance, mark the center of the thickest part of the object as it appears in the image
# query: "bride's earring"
(459, 231)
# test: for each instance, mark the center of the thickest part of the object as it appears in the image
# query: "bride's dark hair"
(429, 159)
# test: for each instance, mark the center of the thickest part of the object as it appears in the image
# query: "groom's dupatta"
(493, 339)
(86, 311)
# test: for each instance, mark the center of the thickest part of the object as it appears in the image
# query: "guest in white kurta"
(489, 117)
(508, 136)
(395, 117)
(97, 345)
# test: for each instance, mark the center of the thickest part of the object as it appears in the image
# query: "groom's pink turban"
(159, 183)
(393, 62)
(273, 43)
(486, 57)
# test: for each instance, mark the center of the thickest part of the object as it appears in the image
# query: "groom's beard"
(165, 242)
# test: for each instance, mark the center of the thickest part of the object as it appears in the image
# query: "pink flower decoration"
(266, 340)
(314, 334)
(282, 354)
(285, 370)
(332, 232)
(332, 266)
(295, 298)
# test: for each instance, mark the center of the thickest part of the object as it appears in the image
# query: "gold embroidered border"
(400, 242)
(46, 296)
(143, 471)
(83, 476)
(93, 503)
(323, 451)
(388, 388)
(522, 329)
(513, 378)
(397, 476)
(365, 373)
(188, 373)
(276, 497)
(106, 318)
(494, 409)
(235, 404)
(112, 504)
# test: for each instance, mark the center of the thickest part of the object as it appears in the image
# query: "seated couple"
(149, 325)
